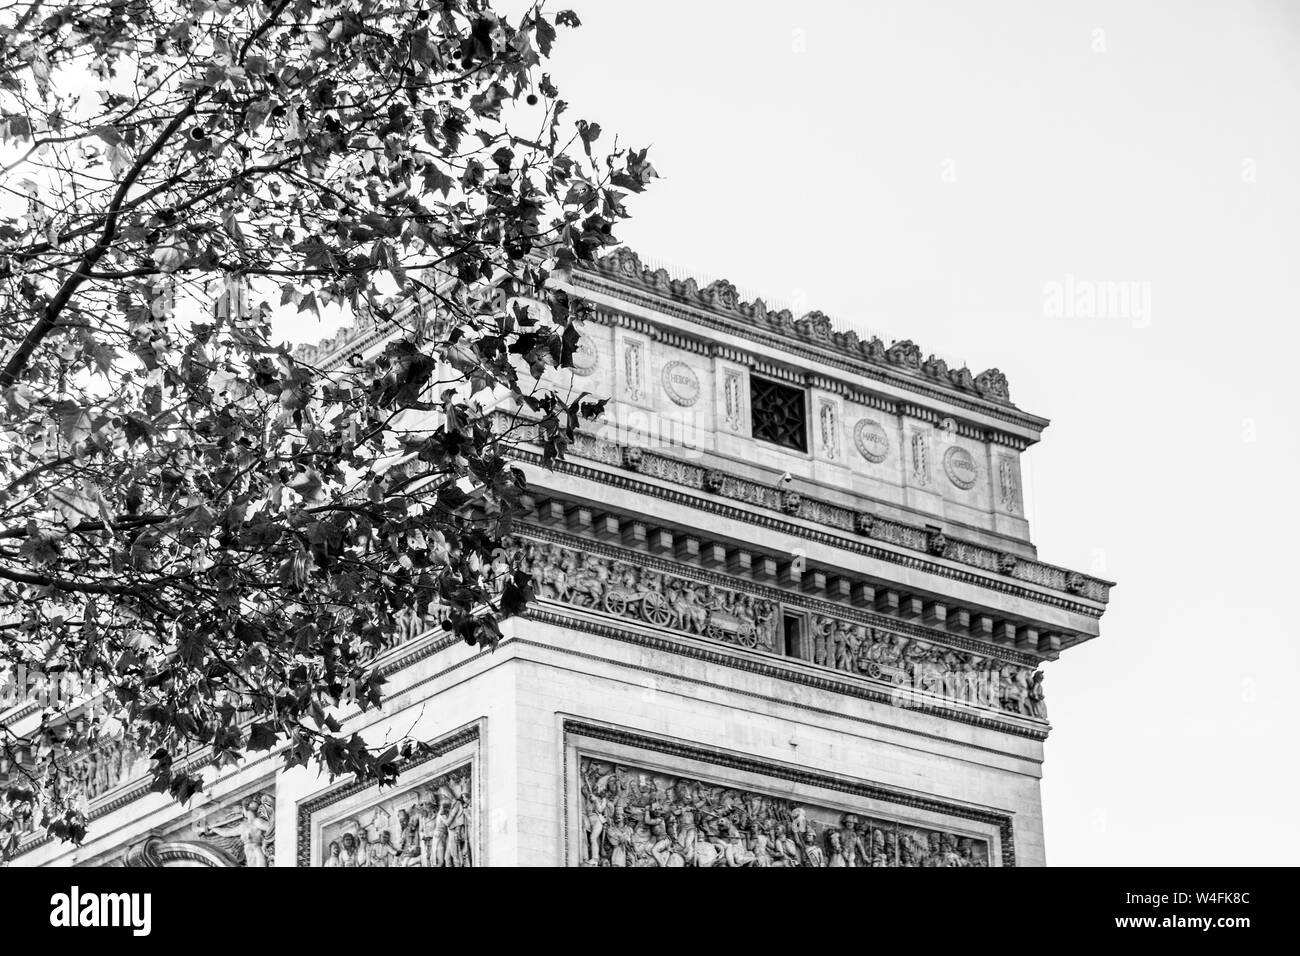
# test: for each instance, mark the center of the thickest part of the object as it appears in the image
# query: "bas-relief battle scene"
(633, 817)
(731, 616)
(428, 825)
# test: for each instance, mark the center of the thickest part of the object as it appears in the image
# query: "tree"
(213, 536)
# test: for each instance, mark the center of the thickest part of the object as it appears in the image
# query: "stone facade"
(820, 651)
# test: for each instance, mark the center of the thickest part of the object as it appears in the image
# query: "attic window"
(779, 413)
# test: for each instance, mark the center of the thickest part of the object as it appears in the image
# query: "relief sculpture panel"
(427, 825)
(910, 666)
(636, 817)
(626, 590)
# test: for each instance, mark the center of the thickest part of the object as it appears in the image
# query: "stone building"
(789, 614)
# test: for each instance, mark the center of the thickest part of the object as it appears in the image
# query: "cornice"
(817, 511)
(856, 545)
(810, 338)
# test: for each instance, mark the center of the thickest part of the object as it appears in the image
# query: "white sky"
(926, 169)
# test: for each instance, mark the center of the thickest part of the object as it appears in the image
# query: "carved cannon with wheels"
(724, 626)
(888, 672)
(649, 605)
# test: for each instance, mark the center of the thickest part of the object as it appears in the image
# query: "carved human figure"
(1015, 692)
(597, 803)
(590, 578)
(1037, 701)
(409, 848)
(349, 856)
(949, 854)
(835, 849)
(786, 849)
(853, 637)
(812, 853)
(855, 845)
(334, 855)
(821, 640)
(765, 619)
(251, 830)
(619, 835)
(446, 843)
(382, 853)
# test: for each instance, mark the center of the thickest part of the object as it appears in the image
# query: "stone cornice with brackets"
(1012, 571)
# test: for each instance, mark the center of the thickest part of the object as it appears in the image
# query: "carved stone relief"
(585, 357)
(625, 590)
(1008, 485)
(733, 410)
(829, 429)
(920, 459)
(681, 383)
(238, 833)
(871, 440)
(909, 665)
(960, 467)
(427, 825)
(633, 817)
(634, 370)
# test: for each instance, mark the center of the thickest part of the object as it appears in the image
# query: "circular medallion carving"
(960, 467)
(872, 440)
(681, 383)
(584, 356)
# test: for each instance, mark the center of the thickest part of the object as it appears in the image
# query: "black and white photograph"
(506, 434)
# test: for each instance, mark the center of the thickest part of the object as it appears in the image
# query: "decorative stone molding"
(633, 457)
(636, 817)
(891, 532)
(740, 808)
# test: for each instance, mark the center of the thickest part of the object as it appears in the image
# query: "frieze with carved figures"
(910, 666)
(633, 817)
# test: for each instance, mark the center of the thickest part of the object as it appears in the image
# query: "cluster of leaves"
(211, 533)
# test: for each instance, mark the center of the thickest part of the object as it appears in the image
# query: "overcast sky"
(959, 173)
